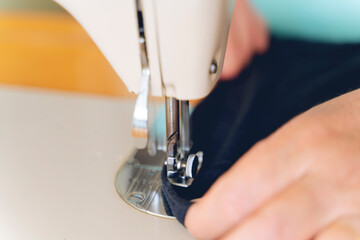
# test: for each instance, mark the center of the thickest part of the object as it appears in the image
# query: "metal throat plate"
(138, 182)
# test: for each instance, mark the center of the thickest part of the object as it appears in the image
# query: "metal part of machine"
(138, 182)
(141, 113)
(181, 166)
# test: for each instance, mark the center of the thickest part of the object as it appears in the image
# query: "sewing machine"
(171, 48)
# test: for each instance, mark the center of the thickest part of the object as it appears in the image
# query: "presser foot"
(181, 171)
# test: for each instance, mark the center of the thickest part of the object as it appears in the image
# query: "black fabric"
(290, 78)
(175, 205)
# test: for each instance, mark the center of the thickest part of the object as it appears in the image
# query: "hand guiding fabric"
(292, 185)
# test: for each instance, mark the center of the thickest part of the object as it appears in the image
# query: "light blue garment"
(322, 20)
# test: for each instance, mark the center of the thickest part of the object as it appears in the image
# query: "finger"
(239, 47)
(295, 214)
(241, 21)
(264, 171)
(344, 229)
(234, 60)
(261, 36)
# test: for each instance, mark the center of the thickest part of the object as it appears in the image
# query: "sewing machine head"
(171, 48)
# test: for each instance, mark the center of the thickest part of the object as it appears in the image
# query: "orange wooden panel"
(52, 50)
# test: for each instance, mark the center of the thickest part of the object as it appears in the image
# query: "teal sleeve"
(322, 20)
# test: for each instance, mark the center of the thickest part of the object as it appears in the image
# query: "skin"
(300, 183)
(248, 36)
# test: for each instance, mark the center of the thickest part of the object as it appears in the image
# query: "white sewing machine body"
(61, 183)
(184, 38)
(171, 48)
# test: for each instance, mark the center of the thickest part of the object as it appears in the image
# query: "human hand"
(300, 183)
(248, 36)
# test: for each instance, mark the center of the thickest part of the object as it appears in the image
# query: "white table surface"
(59, 154)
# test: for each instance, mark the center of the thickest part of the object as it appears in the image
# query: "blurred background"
(43, 46)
